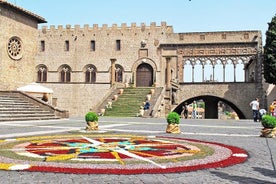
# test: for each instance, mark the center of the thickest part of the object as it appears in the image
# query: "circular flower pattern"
(115, 154)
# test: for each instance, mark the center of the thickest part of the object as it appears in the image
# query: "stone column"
(180, 68)
(169, 74)
(112, 71)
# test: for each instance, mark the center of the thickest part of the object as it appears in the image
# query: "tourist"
(185, 111)
(45, 97)
(272, 108)
(261, 113)
(147, 105)
(194, 113)
(255, 108)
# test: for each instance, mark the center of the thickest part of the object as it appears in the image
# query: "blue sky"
(183, 15)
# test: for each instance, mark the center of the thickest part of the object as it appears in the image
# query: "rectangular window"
(42, 46)
(66, 45)
(246, 36)
(92, 45)
(118, 45)
(202, 37)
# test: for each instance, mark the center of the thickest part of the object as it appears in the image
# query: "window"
(246, 36)
(66, 45)
(118, 45)
(90, 74)
(202, 37)
(15, 48)
(92, 45)
(65, 73)
(42, 46)
(42, 73)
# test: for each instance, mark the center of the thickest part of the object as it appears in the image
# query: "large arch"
(211, 106)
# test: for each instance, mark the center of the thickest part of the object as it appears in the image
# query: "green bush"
(268, 121)
(91, 116)
(173, 118)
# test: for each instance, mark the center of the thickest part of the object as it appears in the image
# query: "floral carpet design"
(115, 154)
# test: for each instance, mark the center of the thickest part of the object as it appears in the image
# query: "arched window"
(118, 73)
(41, 73)
(65, 73)
(90, 73)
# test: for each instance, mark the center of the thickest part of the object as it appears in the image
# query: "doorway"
(144, 75)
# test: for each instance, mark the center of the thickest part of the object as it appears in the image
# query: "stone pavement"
(259, 168)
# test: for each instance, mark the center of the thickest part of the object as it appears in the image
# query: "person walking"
(255, 108)
(185, 110)
(194, 113)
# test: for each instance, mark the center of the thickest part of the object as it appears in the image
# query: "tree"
(270, 53)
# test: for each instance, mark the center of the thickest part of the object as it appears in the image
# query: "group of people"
(259, 112)
(184, 112)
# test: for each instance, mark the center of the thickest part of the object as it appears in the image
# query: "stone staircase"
(17, 106)
(154, 101)
(128, 103)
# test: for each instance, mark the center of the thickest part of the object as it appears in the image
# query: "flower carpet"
(115, 154)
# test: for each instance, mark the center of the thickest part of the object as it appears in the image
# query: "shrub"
(91, 116)
(173, 118)
(268, 121)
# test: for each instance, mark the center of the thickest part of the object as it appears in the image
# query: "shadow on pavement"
(266, 172)
(241, 179)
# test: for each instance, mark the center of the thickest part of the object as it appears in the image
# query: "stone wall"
(239, 94)
(17, 70)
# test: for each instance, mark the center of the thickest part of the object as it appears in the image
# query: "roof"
(26, 12)
(35, 88)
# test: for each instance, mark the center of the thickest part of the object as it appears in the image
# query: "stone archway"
(144, 75)
(211, 106)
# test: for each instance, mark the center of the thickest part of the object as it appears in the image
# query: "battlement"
(114, 27)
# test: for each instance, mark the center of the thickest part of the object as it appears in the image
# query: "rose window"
(15, 48)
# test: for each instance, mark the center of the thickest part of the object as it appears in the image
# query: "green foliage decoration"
(173, 118)
(268, 121)
(92, 117)
(269, 63)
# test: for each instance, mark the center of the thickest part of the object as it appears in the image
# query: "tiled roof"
(26, 12)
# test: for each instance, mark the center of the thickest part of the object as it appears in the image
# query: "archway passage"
(144, 75)
(211, 106)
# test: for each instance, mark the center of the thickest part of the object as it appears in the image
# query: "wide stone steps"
(14, 107)
(128, 103)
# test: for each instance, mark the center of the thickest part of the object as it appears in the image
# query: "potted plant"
(173, 120)
(91, 119)
(269, 124)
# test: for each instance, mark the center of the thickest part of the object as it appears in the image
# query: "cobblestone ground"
(259, 168)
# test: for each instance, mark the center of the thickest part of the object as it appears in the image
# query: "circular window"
(15, 48)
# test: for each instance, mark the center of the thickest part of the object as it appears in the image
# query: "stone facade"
(76, 62)
(18, 35)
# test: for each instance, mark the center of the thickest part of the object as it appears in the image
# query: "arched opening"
(213, 107)
(41, 73)
(144, 75)
(90, 73)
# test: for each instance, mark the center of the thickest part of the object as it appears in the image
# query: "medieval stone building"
(83, 64)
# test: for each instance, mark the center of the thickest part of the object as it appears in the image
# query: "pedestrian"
(255, 108)
(261, 113)
(194, 112)
(185, 110)
(147, 105)
(272, 108)
(45, 97)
